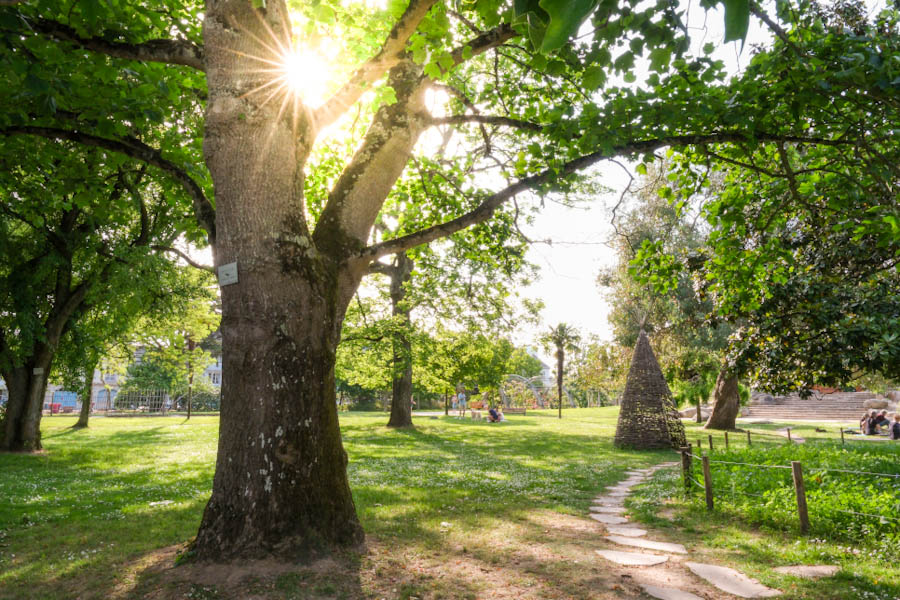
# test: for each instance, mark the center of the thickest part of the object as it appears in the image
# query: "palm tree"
(563, 337)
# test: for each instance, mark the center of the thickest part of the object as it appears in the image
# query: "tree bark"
(281, 484)
(727, 402)
(21, 427)
(401, 397)
(85, 413)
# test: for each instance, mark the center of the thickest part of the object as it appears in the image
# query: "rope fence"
(687, 461)
(747, 436)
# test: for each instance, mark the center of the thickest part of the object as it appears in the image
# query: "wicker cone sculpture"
(647, 418)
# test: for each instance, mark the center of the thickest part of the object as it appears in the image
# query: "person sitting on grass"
(895, 427)
(493, 416)
(864, 423)
(882, 421)
(871, 428)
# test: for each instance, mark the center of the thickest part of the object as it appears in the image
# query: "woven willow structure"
(648, 418)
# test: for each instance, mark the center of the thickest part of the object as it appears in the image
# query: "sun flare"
(305, 73)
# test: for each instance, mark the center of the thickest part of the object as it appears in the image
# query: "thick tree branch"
(137, 149)
(175, 52)
(390, 54)
(487, 120)
(484, 42)
(381, 269)
(491, 203)
(359, 192)
(183, 257)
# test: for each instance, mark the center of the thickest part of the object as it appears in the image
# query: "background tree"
(690, 346)
(173, 341)
(803, 242)
(561, 338)
(80, 237)
(602, 367)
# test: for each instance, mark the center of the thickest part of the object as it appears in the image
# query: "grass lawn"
(102, 511)
(452, 509)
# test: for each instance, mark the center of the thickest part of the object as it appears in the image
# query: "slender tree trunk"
(401, 393)
(698, 415)
(86, 394)
(560, 358)
(191, 345)
(27, 385)
(727, 402)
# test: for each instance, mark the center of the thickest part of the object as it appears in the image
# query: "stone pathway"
(609, 510)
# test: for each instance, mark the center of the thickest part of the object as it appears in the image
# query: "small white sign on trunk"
(228, 274)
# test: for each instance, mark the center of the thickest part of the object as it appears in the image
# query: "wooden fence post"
(842, 436)
(707, 483)
(749, 443)
(801, 496)
(726, 440)
(710, 442)
(789, 435)
(698, 443)
(686, 469)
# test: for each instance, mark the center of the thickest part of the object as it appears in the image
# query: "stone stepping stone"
(808, 571)
(632, 559)
(609, 519)
(619, 488)
(626, 531)
(664, 593)
(610, 510)
(647, 544)
(731, 581)
(617, 494)
(607, 501)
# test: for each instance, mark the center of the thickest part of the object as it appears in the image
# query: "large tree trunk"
(727, 402)
(280, 485)
(27, 385)
(87, 392)
(401, 398)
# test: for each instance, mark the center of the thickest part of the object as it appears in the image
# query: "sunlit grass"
(99, 498)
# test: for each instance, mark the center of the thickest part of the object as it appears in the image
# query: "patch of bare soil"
(541, 555)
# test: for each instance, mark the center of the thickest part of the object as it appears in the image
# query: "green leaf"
(594, 77)
(566, 16)
(737, 19)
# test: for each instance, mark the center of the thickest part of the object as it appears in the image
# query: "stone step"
(632, 559)
(647, 544)
(808, 571)
(609, 510)
(626, 531)
(731, 581)
(608, 519)
(664, 593)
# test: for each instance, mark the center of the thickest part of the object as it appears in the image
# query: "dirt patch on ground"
(543, 555)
